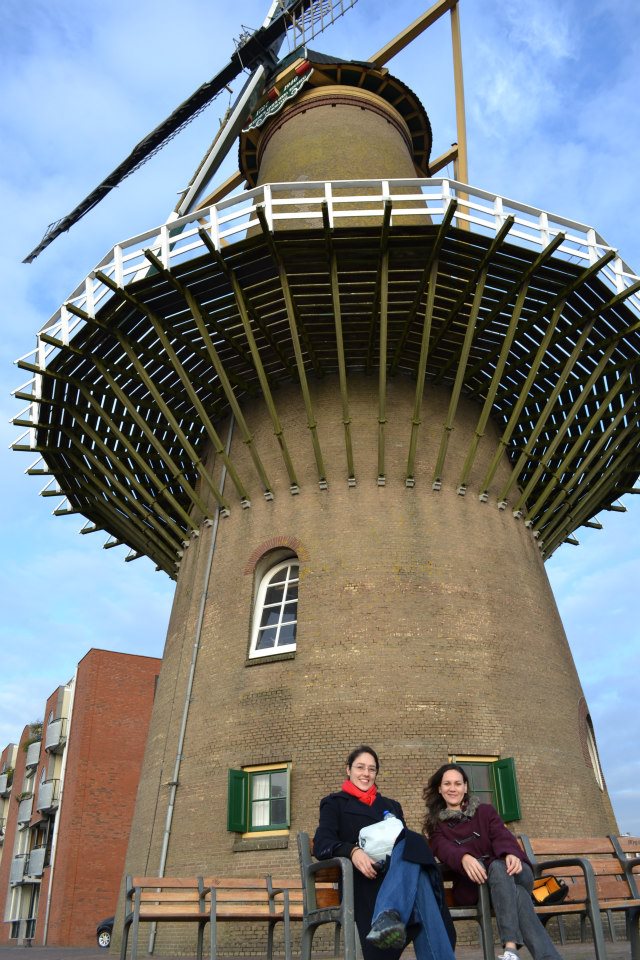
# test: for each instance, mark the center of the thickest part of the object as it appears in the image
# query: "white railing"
(291, 204)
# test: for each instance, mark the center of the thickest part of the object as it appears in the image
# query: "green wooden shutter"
(237, 805)
(506, 788)
(288, 794)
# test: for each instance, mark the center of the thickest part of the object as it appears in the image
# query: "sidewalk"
(620, 950)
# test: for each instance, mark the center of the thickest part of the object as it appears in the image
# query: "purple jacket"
(493, 841)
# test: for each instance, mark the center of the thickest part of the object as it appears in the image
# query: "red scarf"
(366, 796)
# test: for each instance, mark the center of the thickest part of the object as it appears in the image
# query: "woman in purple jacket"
(471, 839)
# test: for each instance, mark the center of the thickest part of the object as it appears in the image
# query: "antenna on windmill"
(300, 20)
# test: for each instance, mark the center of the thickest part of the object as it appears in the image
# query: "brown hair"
(433, 799)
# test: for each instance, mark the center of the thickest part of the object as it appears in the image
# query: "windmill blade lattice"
(301, 20)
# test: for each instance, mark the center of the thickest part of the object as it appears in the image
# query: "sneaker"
(509, 955)
(388, 931)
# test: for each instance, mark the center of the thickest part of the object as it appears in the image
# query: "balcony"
(24, 810)
(18, 864)
(5, 784)
(3, 827)
(33, 754)
(48, 794)
(56, 735)
(35, 863)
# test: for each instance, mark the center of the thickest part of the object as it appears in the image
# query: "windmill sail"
(301, 20)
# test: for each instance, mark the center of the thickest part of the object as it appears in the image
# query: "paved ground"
(620, 950)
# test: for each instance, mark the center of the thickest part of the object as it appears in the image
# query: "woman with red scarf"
(342, 815)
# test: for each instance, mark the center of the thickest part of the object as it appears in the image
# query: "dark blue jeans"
(407, 889)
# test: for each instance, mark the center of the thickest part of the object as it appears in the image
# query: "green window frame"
(259, 798)
(494, 781)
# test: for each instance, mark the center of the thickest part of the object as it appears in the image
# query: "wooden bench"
(203, 900)
(321, 905)
(599, 879)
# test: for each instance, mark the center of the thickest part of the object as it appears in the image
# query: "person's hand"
(363, 862)
(474, 868)
(513, 864)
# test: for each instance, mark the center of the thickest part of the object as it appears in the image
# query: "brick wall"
(112, 704)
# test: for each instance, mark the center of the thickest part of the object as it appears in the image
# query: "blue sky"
(553, 112)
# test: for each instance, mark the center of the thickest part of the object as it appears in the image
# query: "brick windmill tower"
(351, 410)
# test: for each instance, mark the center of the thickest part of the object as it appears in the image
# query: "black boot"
(388, 931)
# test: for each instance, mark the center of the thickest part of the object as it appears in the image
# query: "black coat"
(342, 816)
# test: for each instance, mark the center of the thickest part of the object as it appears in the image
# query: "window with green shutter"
(258, 798)
(493, 780)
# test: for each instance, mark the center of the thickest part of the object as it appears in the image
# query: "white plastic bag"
(378, 838)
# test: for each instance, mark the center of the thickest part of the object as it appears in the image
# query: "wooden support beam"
(248, 309)
(449, 156)
(222, 190)
(626, 447)
(135, 493)
(158, 325)
(457, 386)
(410, 33)
(496, 377)
(470, 285)
(416, 420)
(297, 350)
(561, 431)
(559, 298)
(167, 413)
(382, 367)
(98, 492)
(577, 475)
(375, 306)
(503, 303)
(342, 367)
(130, 445)
(257, 363)
(197, 313)
(521, 400)
(434, 254)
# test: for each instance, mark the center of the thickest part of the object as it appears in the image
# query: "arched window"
(275, 615)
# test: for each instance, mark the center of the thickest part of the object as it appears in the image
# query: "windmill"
(395, 393)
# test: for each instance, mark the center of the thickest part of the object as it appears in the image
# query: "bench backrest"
(611, 880)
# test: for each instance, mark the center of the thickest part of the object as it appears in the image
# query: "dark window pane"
(278, 811)
(266, 638)
(289, 612)
(270, 616)
(280, 576)
(292, 591)
(279, 784)
(287, 634)
(274, 595)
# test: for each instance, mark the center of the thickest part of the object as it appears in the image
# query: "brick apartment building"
(74, 779)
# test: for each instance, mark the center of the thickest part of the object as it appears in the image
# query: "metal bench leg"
(134, 938)
(486, 928)
(597, 930)
(306, 942)
(200, 939)
(633, 919)
(213, 932)
(125, 940)
(336, 939)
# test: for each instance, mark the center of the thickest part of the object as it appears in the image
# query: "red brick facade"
(102, 719)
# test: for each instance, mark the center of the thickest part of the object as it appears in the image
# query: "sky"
(553, 114)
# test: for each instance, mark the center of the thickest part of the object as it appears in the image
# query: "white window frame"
(261, 592)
